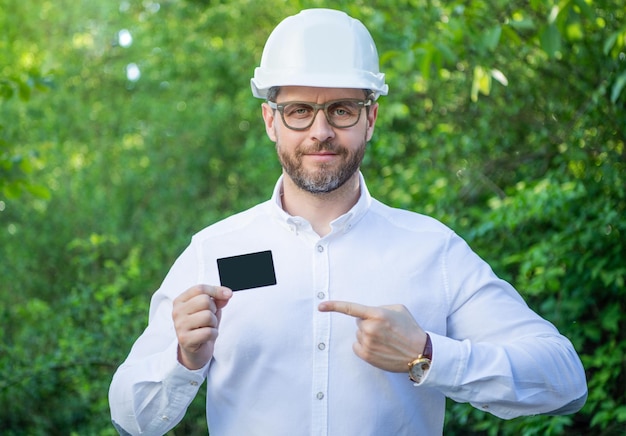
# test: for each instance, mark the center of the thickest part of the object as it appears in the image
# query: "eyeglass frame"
(280, 107)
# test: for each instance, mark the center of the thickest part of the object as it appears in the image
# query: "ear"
(269, 118)
(372, 115)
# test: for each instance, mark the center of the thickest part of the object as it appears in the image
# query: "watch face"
(418, 369)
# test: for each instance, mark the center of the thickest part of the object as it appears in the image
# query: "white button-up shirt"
(281, 367)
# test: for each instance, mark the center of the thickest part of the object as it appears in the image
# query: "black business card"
(247, 271)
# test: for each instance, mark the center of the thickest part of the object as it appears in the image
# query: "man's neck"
(320, 209)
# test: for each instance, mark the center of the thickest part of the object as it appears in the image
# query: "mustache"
(327, 146)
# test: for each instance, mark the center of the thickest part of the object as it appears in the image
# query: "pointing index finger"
(348, 308)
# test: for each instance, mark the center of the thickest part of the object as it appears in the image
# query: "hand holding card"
(196, 315)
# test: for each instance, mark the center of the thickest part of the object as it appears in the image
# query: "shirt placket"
(321, 335)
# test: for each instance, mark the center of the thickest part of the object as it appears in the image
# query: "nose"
(321, 130)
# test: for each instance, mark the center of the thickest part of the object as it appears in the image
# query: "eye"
(343, 109)
(298, 110)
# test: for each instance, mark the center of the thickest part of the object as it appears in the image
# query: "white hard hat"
(319, 48)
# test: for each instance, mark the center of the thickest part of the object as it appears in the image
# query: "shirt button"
(321, 295)
(321, 346)
(165, 418)
(193, 383)
(320, 248)
(320, 395)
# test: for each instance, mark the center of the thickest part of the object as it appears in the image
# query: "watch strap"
(428, 348)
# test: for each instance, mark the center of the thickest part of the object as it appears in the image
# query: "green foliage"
(506, 120)
(17, 162)
(57, 355)
(20, 78)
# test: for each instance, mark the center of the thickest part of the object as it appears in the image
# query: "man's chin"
(315, 184)
(317, 187)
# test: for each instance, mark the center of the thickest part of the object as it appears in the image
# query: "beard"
(326, 177)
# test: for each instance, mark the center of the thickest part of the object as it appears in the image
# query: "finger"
(216, 292)
(219, 293)
(204, 317)
(352, 309)
(193, 339)
(198, 304)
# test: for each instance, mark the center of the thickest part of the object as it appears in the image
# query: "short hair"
(272, 93)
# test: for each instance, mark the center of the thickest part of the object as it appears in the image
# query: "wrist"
(192, 361)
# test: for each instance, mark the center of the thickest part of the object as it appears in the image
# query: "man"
(432, 320)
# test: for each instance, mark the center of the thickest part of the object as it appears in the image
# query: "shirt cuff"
(449, 359)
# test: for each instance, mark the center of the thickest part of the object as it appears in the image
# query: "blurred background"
(127, 126)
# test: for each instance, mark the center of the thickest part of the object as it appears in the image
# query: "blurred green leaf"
(550, 40)
(618, 87)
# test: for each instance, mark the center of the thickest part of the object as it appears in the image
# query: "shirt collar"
(343, 223)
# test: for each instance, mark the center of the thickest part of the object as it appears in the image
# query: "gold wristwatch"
(418, 367)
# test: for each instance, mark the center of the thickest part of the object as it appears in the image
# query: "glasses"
(299, 115)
